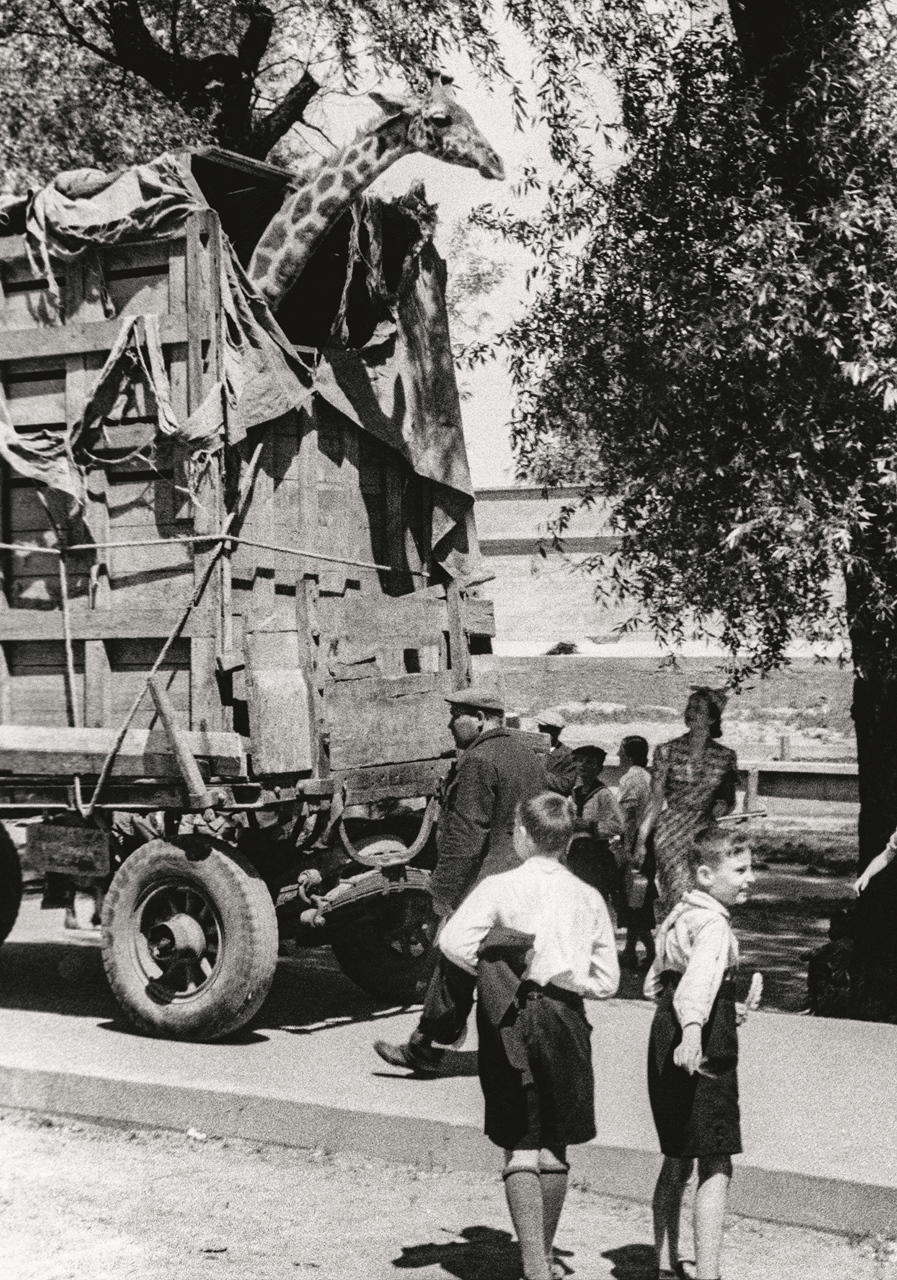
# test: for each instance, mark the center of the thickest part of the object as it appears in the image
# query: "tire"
(387, 948)
(189, 943)
(10, 883)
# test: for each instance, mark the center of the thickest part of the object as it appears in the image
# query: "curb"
(791, 1198)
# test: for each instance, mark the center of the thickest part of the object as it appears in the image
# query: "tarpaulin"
(41, 454)
(400, 388)
(84, 207)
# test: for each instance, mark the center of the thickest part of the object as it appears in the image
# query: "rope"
(222, 538)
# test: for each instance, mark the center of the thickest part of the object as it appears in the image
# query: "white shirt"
(574, 945)
(697, 941)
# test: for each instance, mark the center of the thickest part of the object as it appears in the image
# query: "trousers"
(448, 1002)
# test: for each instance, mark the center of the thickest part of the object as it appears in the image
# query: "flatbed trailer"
(236, 589)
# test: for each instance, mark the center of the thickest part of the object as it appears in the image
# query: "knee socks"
(523, 1189)
(554, 1191)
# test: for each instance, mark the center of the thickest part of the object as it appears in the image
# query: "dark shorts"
(696, 1115)
(536, 1072)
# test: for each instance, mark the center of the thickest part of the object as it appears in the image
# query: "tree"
(240, 73)
(713, 350)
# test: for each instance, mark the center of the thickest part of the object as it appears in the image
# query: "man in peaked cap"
(474, 839)
(561, 764)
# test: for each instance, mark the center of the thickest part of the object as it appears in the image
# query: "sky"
(487, 391)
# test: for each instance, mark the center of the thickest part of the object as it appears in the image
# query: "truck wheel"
(10, 883)
(189, 943)
(388, 949)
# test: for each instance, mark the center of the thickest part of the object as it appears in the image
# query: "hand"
(861, 882)
(442, 907)
(689, 1053)
(752, 1002)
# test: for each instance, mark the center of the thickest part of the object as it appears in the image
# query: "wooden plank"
(125, 260)
(205, 697)
(45, 624)
(460, 654)
(37, 400)
(279, 708)
(5, 703)
(412, 620)
(97, 685)
(13, 247)
(177, 376)
(137, 295)
(203, 369)
(197, 305)
(98, 520)
(478, 615)
(28, 749)
(75, 339)
(261, 525)
(308, 632)
(29, 309)
(386, 721)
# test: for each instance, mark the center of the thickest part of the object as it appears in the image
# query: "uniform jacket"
(475, 837)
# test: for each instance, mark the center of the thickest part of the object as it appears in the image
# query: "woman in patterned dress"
(693, 781)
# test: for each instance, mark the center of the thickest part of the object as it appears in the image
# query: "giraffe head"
(437, 125)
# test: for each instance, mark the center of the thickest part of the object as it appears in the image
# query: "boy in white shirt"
(540, 940)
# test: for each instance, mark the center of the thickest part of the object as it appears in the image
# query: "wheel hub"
(180, 936)
(177, 940)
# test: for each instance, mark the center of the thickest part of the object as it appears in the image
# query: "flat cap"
(553, 719)
(478, 698)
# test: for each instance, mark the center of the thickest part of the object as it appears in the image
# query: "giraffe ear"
(393, 106)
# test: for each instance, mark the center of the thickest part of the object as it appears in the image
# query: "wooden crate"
(123, 603)
(376, 646)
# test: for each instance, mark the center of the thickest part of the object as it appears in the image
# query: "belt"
(533, 991)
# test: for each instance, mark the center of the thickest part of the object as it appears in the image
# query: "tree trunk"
(873, 985)
(873, 993)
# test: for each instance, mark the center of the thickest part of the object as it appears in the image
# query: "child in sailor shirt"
(693, 1051)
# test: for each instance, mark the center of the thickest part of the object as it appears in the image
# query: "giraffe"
(435, 125)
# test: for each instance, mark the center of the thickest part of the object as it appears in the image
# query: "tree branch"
(256, 38)
(289, 111)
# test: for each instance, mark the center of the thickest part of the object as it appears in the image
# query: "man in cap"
(561, 764)
(474, 839)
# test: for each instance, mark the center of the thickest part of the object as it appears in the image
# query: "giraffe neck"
(307, 213)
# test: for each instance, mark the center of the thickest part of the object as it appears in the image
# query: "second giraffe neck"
(321, 196)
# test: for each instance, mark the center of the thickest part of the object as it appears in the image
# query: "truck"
(238, 576)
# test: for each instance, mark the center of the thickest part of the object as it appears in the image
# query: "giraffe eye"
(439, 118)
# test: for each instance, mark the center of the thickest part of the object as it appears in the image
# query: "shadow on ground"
(785, 920)
(481, 1253)
(44, 969)
(632, 1262)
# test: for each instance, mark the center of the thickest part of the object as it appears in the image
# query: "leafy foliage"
(714, 345)
(242, 73)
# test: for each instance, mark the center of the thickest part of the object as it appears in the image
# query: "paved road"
(820, 1127)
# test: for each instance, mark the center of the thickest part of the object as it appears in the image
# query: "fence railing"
(832, 781)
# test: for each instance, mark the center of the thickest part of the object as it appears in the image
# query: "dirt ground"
(79, 1200)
